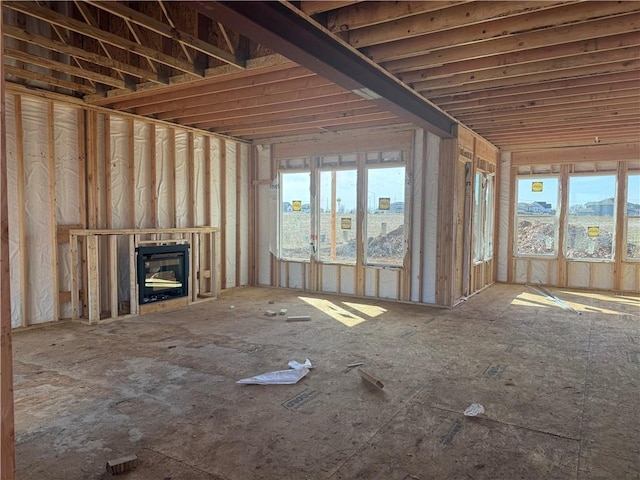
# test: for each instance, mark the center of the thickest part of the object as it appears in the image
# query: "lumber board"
(113, 275)
(164, 305)
(7, 427)
(93, 279)
(239, 207)
(223, 212)
(53, 230)
(22, 216)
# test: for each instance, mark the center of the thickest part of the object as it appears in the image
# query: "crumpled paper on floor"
(280, 377)
(473, 410)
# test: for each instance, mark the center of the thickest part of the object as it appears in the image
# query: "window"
(537, 216)
(483, 217)
(633, 217)
(385, 235)
(295, 216)
(337, 239)
(591, 217)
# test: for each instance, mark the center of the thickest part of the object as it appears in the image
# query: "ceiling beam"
(65, 68)
(60, 47)
(541, 90)
(353, 17)
(326, 93)
(55, 18)
(161, 28)
(601, 69)
(213, 95)
(349, 109)
(559, 53)
(567, 16)
(511, 44)
(343, 100)
(48, 79)
(569, 97)
(449, 18)
(285, 29)
(521, 71)
(312, 7)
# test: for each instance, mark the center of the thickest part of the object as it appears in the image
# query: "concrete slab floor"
(561, 391)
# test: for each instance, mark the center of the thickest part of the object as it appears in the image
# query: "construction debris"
(355, 364)
(280, 377)
(299, 318)
(270, 313)
(473, 410)
(122, 464)
(283, 311)
(371, 379)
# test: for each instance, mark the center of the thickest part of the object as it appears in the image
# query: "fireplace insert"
(163, 272)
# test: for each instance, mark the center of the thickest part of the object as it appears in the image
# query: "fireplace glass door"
(163, 272)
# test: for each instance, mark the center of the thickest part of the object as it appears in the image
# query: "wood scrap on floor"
(122, 464)
(299, 318)
(371, 379)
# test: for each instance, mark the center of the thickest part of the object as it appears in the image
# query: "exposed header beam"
(290, 32)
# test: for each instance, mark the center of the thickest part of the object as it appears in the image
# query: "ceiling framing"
(520, 74)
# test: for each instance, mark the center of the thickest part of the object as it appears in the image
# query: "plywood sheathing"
(177, 406)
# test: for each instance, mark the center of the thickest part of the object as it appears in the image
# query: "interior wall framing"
(71, 167)
(620, 274)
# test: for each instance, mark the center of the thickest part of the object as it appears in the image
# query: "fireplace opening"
(163, 272)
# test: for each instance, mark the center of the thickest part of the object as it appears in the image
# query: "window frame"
(625, 247)
(365, 247)
(614, 216)
(556, 217)
(486, 209)
(279, 216)
(318, 207)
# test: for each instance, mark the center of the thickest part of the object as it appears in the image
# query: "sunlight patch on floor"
(334, 311)
(607, 298)
(372, 311)
(540, 301)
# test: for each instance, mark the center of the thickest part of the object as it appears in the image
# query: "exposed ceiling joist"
(161, 28)
(55, 18)
(286, 30)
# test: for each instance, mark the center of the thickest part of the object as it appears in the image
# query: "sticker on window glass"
(536, 186)
(384, 203)
(345, 223)
(593, 232)
(297, 205)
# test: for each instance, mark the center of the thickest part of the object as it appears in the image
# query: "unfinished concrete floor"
(561, 391)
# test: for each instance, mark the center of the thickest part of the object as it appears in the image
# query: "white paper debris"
(473, 410)
(280, 377)
(296, 365)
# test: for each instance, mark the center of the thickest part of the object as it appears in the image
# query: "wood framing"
(223, 211)
(53, 227)
(194, 236)
(446, 217)
(7, 433)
